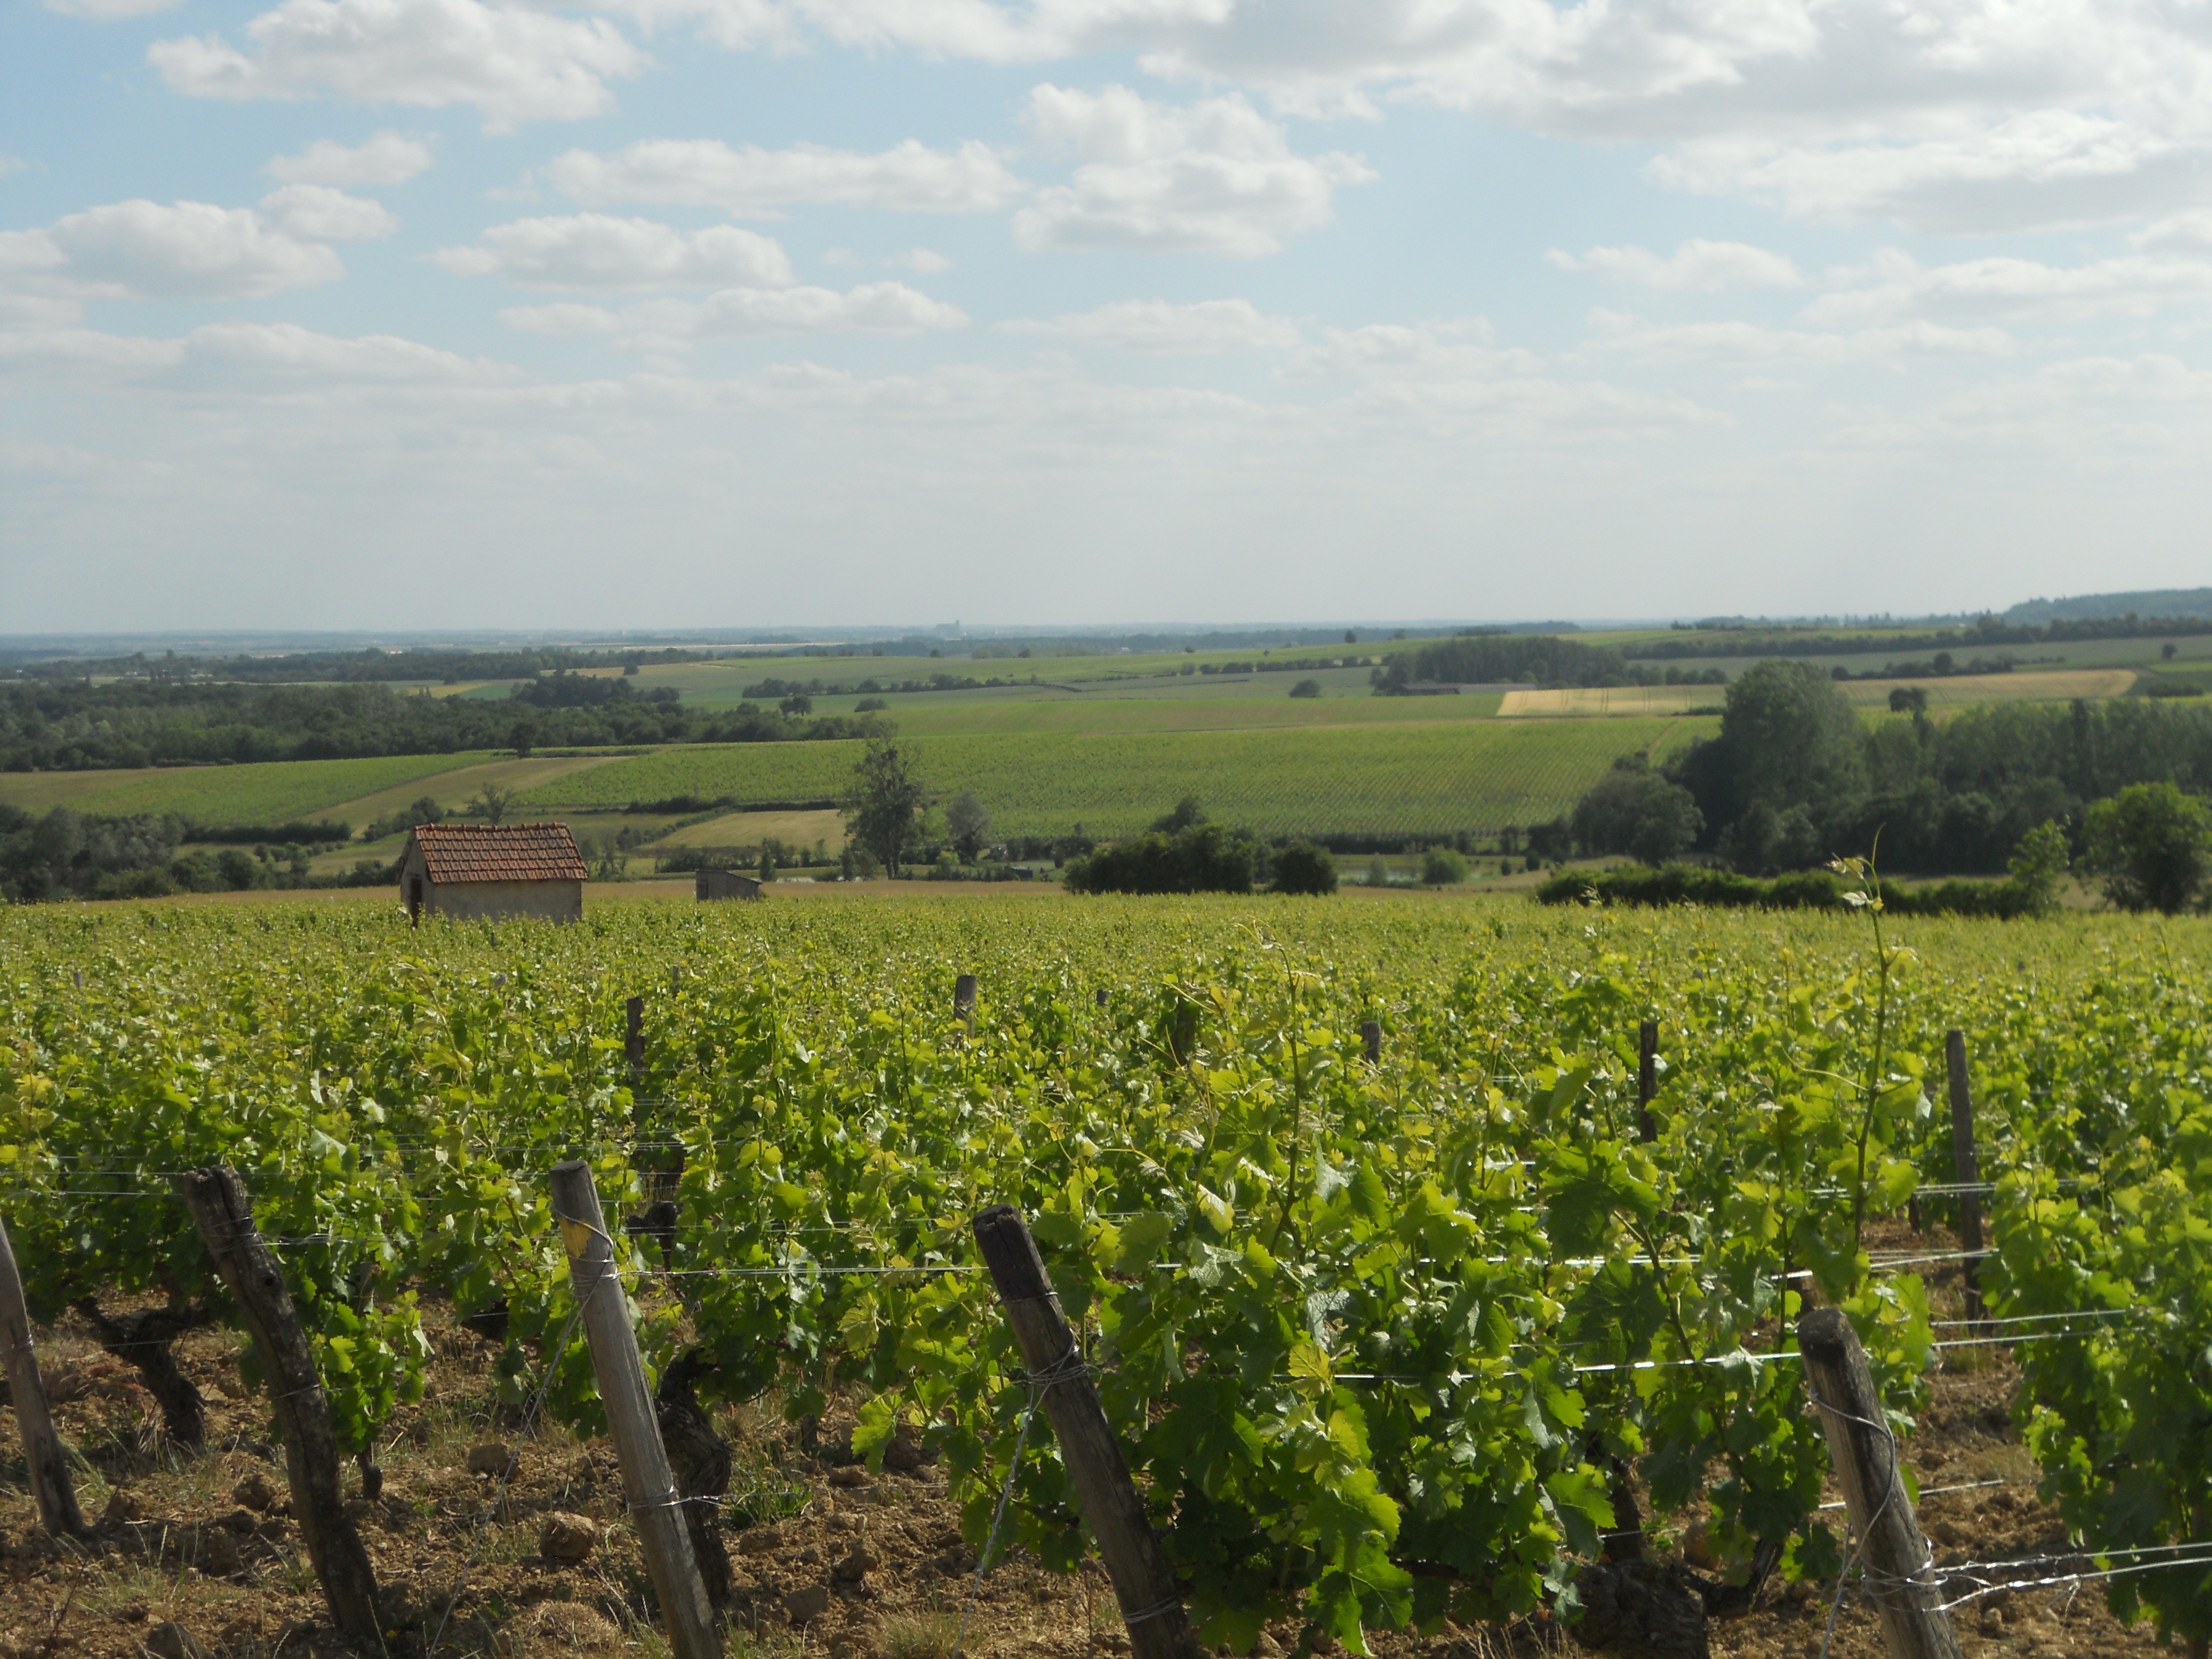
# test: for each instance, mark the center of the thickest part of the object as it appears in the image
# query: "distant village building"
(492, 871)
(726, 885)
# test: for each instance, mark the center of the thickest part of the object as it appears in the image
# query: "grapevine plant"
(1385, 1343)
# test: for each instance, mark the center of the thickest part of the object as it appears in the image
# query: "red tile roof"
(499, 852)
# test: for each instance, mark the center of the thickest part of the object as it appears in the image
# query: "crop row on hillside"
(1411, 779)
(262, 791)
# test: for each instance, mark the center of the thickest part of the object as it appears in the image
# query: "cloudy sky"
(659, 312)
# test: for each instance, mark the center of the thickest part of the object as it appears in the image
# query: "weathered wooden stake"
(1102, 996)
(1647, 1078)
(1371, 1038)
(634, 1035)
(963, 997)
(647, 1487)
(1966, 1169)
(1144, 1585)
(26, 1391)
(1901, 1578)
(675, 979)
(224, 1215)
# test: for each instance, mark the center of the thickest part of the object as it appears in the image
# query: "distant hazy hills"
(2091, 607)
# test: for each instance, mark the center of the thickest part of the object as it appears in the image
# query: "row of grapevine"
(1384, 1341)
(1436, 779)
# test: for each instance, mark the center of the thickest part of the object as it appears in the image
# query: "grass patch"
(927, 1634)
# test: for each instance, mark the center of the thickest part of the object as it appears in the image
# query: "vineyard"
(1430, 1331)
(264, 792)
(1438, 778)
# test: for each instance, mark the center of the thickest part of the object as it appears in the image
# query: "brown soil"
(839, 1563)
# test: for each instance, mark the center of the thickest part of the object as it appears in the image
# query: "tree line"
(63, 855)
(1480, 657)
(1539, 658)
(1794, 777)
(366, 666)
(74, 725)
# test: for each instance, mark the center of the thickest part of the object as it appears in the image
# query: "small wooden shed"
(726, 885)
(492, 871)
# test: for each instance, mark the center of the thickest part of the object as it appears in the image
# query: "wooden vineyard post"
(963, 998)
(1371, 1039)
(634, 1038)
(1647, 1078)
(647, 1487)
(224, 1216)
(1966, 1169)
(1144, 1585)
(1899, 1571)
(26, 1391)
(1102, 996)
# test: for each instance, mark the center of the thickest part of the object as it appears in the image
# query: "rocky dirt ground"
(828, 1561)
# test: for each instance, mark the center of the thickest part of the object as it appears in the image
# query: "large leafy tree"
(1789, 763)
(1634, 810)
(2152, 846)
(887, 798)
(968, 821)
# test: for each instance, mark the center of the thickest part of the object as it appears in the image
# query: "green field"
(1426, 779)
(268, 792)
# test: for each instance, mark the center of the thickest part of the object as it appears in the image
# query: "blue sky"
(391, 313)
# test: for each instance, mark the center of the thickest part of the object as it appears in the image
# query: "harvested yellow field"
(1592, 702)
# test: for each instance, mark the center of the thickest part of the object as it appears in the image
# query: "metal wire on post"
(1072, 1365)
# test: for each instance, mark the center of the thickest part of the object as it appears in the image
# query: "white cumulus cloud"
(922, 261)
(600, 251)
(1028, 33)
(1162, 326)
(512, 62)
(317, 213)
(1965, 115)
(142, 250)
(2135, 285)
(2039, 169)
(1213, 177)
(388, 158)
(2187, 231)
(274, 354)
(908, 178)
(1731, 343)
(1707, 267)
(109, 11)
(871, 308)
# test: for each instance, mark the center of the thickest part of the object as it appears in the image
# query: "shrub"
(1441, 866)
(1306, 688)
(1302, 867)
(1205, 858)
(1802, 889)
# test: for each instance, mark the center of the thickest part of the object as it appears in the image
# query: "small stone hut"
(726, 885)
(492, 871)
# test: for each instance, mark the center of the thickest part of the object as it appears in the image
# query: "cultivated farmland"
(1406, 779)
(262, 792)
